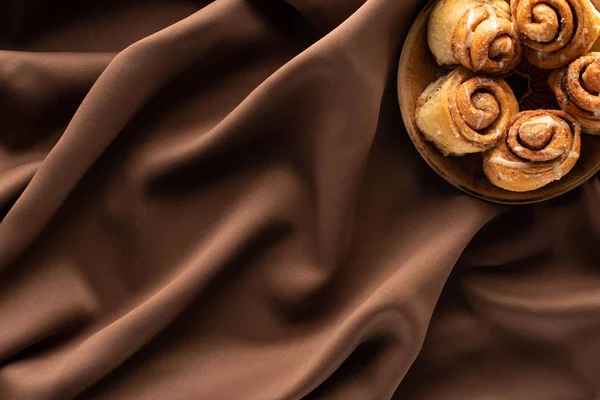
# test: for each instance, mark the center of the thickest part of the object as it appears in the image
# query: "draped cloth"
(219, 200)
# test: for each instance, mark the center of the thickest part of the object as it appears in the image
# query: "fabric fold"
(218, 200)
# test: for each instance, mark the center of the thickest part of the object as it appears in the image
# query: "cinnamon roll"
(577, 89)
(541, 146)
(476, 34)
(555, 32)
(462, 112)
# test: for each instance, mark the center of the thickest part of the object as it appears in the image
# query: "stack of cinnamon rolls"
(472, 109)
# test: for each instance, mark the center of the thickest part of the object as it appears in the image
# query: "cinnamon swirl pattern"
(464, 113)
(541, 146)
(476, 34)
(577, 89)
(555, 32)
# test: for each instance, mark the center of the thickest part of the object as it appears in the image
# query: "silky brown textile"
(218, 200)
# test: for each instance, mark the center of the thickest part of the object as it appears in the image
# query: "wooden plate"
(418, 69)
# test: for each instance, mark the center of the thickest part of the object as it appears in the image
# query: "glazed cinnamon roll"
(463, 113)
(476, 34)
(541, 146)
(555, 32)
(577, 89)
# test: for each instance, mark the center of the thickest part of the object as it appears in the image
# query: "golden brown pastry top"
(577, 89)
(463, 112)
(541, 146)
(486, 40)
(555, 32)
(476, 34)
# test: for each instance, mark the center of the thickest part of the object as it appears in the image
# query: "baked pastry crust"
(478, 35)
(577, 89)
(555, 32)
(541, 147)
(462, 112)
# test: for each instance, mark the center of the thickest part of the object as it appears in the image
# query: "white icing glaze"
(480, 120)
(492, 18)
(544, 119)
(470, 18)
(557, 169)
(469, 40)
(595, 109)
(573, 154)
(552, 152)
(501, 64)
(540, 56)
(507, 163)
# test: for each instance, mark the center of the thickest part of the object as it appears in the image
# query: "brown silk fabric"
(218, 200)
